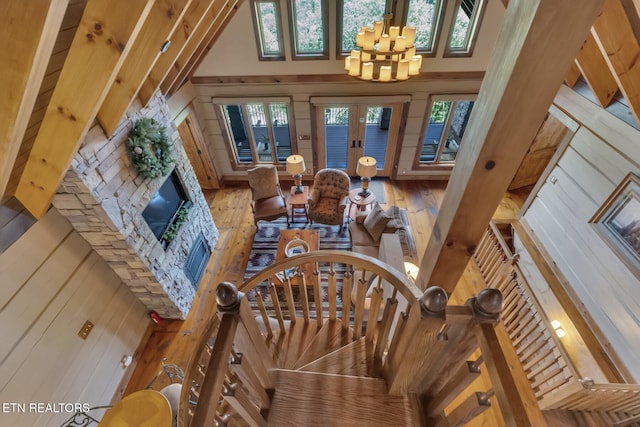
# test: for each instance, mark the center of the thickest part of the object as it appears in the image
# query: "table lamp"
(366, 169)
(295, 167)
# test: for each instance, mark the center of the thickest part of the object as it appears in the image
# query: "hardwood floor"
(175, 340)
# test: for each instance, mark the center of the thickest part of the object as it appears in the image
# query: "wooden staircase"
(337, 368)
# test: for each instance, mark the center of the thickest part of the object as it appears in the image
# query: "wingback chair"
(329, 196)
(268, 202)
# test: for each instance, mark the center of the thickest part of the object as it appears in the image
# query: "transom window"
(355, 14)
(447, 120)
(309, 29)
(425, 15)
(464, 29)
(266, 21)
(256, 132)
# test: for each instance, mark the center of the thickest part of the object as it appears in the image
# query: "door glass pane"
(435, 128)
(461, 113)
(238, 132)
(336, 131)
(280, 120)
(357, 14)
(377, 134)
(260, 131)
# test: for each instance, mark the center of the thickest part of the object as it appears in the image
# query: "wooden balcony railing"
(417, 343)
(555, 380)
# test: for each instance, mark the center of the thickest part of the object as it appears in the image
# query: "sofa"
(366, 231)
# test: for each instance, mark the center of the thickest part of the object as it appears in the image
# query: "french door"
(347, 131)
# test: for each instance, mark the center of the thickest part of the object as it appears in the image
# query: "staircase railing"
(214, 383)
(419, 344)
(555, 380)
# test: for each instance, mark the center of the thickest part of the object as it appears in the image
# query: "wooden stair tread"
(329, 338)
(353, 359)
(317, 399)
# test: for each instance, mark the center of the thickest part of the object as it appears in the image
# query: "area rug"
(263, 254)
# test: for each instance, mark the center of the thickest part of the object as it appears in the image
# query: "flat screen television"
(164, 205)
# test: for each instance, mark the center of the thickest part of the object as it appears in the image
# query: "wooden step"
(562, 418)
(314, 399)
(355, 359)
(329, 338)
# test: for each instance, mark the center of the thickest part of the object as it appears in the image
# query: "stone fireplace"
(103, 196)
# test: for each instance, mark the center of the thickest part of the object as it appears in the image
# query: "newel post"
(228, 299)
(410, 352)
(515, 397)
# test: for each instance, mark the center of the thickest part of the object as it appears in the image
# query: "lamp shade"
(366, 167)
(295, 164)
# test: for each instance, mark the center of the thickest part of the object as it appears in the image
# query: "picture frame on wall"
(618, 222)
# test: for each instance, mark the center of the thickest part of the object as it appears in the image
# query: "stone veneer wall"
(103, 196)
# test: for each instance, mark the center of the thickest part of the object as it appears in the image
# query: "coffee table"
(313, 240)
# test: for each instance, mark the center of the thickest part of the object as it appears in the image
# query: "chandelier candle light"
(385, 53)
(296, 167)
(366, 170)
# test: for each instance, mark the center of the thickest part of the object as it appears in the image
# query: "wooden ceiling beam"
(103, 40)
(27, 37)
(572, 75)
(193, 19)
(620, 48)
(593, 66)
(197, 39)
(534, 49)
(214, 32)
(164, 17)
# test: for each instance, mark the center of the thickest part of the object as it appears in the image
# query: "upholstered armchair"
(268, 202)
(329, 196)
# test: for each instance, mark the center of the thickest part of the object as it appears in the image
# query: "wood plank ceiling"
(61, 79)
(75, 61)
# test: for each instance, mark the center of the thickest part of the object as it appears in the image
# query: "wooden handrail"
(555, 380)
(396, 278)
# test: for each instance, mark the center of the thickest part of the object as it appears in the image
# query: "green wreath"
(150, 148)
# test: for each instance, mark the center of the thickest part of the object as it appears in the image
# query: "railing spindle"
(317, 296)
(347, 283)
(332, 291)
(304, 298)
(263, 314)
(288, 295)
(276, 306)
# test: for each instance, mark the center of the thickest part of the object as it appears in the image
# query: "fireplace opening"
(197, 260)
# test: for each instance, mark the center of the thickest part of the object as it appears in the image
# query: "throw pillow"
(395, 220)
(376, 222)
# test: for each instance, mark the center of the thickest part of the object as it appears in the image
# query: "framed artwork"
(618, 221)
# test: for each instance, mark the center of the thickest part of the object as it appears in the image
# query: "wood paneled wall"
(602, 151)
(51, 282)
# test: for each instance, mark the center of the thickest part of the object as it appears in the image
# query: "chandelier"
(385, 53)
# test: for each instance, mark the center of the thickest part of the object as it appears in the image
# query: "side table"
(299, 203)
(362, 203)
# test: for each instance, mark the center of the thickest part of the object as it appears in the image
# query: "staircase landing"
(317, 399)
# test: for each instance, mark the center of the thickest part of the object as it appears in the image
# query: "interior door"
(347, 132)
(195, 147)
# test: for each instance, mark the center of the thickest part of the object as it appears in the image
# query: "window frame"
(257, 31)
(475, 22)
(229, 142)
(436, 30)
(293, 33)
(437, 163)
